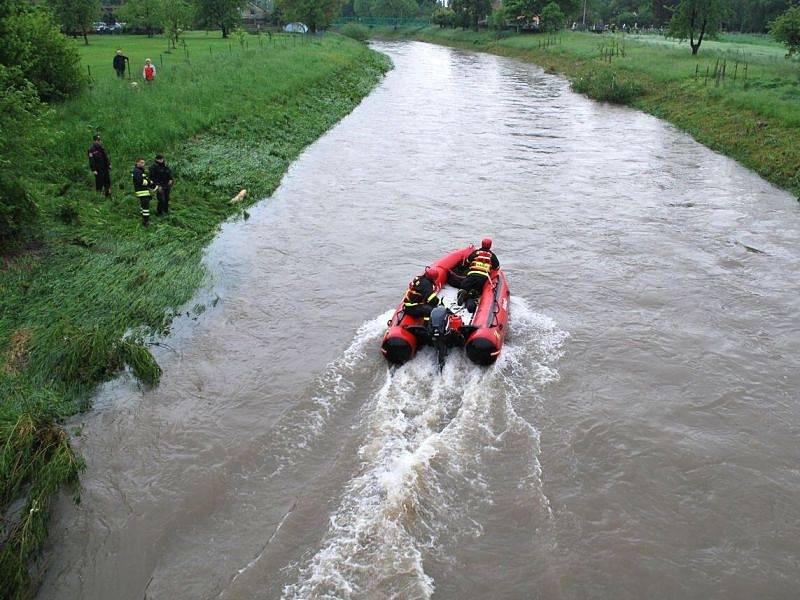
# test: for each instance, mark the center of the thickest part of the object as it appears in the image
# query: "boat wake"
(422, 474)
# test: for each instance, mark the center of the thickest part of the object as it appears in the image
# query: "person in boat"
(480, 263)
(421, 298)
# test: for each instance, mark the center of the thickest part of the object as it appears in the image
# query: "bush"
(607, 85)
(786, 29)
(18, 214)
(355, 31)
(32, 42)
(22, 143)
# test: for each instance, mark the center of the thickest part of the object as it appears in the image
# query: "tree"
(362, 8)
(552, 18)
(142, 14)
(394, 8)
(786, 29)
(76, 16)
(514, 9)
(316, 14)
(696, 19)
(176, 15)
(224, 14)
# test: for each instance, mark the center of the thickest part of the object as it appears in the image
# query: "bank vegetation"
(84, 289)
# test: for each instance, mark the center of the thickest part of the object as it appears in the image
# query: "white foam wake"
(307, 421)
(424, 436)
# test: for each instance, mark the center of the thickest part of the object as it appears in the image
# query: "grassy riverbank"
(83, 300)
(751, 115)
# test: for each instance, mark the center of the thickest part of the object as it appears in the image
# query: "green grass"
(86, 299)
(754, 119)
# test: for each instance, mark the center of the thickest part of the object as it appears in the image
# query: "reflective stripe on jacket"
(141, 184)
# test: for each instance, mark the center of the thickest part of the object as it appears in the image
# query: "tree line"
(751, 16)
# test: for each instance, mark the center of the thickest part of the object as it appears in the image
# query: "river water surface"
(638, 437)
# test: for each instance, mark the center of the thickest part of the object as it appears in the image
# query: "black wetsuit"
(119, 64)
(101, 167)
(161, 175)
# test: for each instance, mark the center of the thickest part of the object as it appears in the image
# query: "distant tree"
(176, 15)
(224, 14)
(394, 8)
(469, 12)
(552, 18)
(76, 16)
(663, 10)
(695, 19)
(362, 8)
(786, 29)
(142, 14)
(516, 9)
(316, 14)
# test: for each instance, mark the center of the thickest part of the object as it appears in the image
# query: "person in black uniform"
(480, 263)
(143, 188)
(421, 298)
(100, 165)
(120, 62)
(161, 176)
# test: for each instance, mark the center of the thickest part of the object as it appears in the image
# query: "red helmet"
(432, 273)
(486, 243)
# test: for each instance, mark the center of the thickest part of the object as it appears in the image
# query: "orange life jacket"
(481, 264)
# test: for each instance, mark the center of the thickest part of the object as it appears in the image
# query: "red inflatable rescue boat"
(481, 332)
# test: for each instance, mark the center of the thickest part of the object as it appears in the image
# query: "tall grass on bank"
(751, 114)
(87, 299)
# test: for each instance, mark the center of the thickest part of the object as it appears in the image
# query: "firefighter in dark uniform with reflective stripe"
(421, 298)
(143, 188)
(480, 264)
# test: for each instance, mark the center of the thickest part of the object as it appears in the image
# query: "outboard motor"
(438, 330)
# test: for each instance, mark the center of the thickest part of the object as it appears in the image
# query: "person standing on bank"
(100, 165)
(149, 71)
(161, 176)
(143, 188)
(120, 62)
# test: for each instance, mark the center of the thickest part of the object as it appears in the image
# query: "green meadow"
(86, 298)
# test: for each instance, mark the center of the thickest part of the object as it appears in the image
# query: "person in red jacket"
(149, 71)
(480, 263)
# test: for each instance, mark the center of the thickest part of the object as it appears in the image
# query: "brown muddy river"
(638, 437)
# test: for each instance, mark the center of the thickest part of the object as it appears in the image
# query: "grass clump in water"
(607, 85)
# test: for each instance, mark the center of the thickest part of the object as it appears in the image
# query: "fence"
(383, 21)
